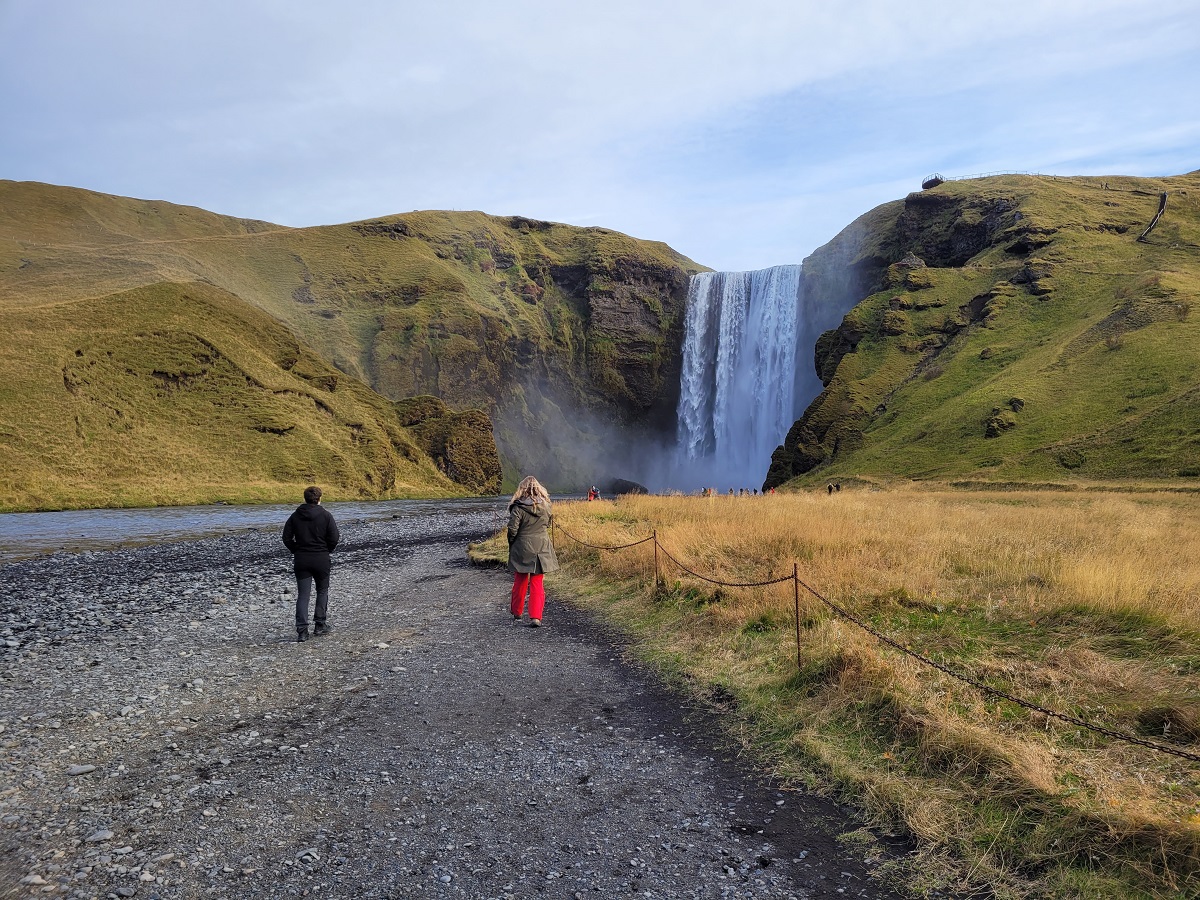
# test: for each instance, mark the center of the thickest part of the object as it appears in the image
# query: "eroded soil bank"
(425, 748)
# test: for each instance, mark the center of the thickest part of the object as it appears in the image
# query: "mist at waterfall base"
(748, 373)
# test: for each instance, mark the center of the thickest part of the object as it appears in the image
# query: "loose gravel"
(162, 735)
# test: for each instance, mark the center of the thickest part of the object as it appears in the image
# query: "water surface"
(23, 535)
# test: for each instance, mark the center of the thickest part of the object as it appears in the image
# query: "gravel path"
(162, 735)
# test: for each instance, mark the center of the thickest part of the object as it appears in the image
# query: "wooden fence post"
(796, 593)
(657, 575)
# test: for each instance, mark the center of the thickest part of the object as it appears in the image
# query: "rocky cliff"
(1010, 328)
(570, 336)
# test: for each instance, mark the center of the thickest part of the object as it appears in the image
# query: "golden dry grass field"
(1084, 602)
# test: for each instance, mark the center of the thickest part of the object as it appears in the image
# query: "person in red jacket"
(311, 534)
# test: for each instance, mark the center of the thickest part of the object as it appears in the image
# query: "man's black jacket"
(311, 529)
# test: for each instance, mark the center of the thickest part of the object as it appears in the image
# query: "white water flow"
(737, 395)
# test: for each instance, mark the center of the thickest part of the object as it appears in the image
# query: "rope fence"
(644, 540)
(844, 613)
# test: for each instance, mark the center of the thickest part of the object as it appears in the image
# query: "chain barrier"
(996, 692)
(892, 642)
(644, 540)
(668, 555)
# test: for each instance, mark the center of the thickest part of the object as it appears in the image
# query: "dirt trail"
(426, 748)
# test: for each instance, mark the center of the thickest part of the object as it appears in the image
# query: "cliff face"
(570, 336)
(567, 338)
(1002, 326)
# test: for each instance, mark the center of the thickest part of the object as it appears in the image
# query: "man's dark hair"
(312, 494)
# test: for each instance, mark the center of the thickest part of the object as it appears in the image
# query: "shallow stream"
(23, 535)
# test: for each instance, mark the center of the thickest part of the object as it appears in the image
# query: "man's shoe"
(535, 623)
(516, 619)
(301, 636)
(321, 628)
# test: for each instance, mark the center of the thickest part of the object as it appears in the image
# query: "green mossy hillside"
(562, 334)
(182, 393)
(1012, 329)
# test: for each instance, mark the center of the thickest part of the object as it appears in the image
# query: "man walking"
(311, 534)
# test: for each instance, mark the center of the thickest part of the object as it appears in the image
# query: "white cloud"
(742, 133)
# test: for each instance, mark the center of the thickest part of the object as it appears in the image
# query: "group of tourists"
(311, 534)
(741, 492)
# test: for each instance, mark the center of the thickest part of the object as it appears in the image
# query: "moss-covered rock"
(460, 443)
(999, 422)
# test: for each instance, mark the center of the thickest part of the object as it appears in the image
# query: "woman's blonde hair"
(531, 489)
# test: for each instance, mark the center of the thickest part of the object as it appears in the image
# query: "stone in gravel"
(102, 835)
(126, 891)
(80, 769)
(33, 879)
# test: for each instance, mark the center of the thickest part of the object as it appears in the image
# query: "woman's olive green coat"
(530, 549)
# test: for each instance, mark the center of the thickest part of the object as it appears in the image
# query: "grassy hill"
(182, 393)
(1013, 329)
(562, 334)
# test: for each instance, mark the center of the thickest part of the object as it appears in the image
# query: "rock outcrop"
(460, 443)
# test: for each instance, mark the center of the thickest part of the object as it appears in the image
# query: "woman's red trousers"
(537, 594)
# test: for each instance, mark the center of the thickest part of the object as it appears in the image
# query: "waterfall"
(738, 388)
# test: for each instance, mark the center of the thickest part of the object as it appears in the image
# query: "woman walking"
(530, 550)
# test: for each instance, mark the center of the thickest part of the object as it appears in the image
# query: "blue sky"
(743, 134)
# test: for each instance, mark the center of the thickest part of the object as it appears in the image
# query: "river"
(24, 535)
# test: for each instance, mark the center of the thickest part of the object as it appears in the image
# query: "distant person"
(530, 550)
(311, 535)
(837, 486)
(593, 494)
(829, 488)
